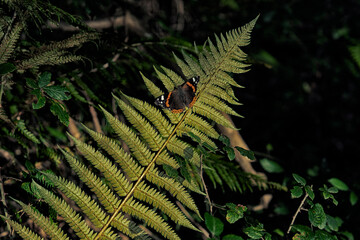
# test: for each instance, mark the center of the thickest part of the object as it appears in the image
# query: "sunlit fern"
(133, 184)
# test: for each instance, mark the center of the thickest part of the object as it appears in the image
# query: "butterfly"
(180, 98)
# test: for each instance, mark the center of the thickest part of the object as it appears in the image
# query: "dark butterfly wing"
(176, 101)
(179, 98)
(189, 90)
(161, 101)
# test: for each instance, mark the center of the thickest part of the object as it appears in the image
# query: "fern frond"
(122, 186)
(138, 148)
(153, 89)
(44, 223)
(104, 195)
(7, 45)
(201, 125)
(173, 76)
(92, 210)
(211, 113)
(167, 81)
(132, 183)
(133, 170)
(148, 133)
(80, 227)
(21, 126)
(23, 231)
(153, 115)
(228, 173)
(52, 57)
(151, 218)
(74, 40)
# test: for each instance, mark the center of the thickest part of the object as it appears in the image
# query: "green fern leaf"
(21, 126)
(71, 217)
(48, 226)
(7, 45)
(23, 231)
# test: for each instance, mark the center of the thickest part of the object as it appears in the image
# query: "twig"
(298, 211)
(206, 234)
(3, 200)
(203, 182)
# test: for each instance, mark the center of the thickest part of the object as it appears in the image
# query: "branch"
(297, 211)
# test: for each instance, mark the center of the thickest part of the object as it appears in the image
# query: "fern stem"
(142, 176)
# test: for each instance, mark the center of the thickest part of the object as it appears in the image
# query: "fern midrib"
(147, 169)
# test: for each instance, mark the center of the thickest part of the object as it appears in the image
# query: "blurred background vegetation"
(301, 97)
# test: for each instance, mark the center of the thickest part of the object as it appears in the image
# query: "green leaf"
(170, 171)
(44, 79)
(323, 235)
(317, 216)
(335, 202)
(232, 237)
(310, 192)
(57, 92)
(206, 145)
(267, 236)
(235, 212)
(59, 111)
(334, 222)
(271, 166)
(40, 103)
(230, 152)
(255, 232)
(296, 192)
(299, 179)
(338, 184)
(225, 140)
(348, 235)
(353, 198)
(194, 137)
(6, 68)
(36, 92)
(333, 190)
(301, 229)
(214, 224)
(246, 153)
(31, 83)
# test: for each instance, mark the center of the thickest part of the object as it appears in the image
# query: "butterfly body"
(181, 97)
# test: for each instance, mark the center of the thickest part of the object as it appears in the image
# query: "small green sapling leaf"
(214, 224)
(310, 192)
(317, 216)
(271, 166)
(299, 179)
(59, 111)
(44, 79)
(296, 192)
(57, 92)
(246, 153)
(338, 184)
(235, 212)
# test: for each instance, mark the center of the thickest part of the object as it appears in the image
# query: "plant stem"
(203, 182)
(297, 212)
